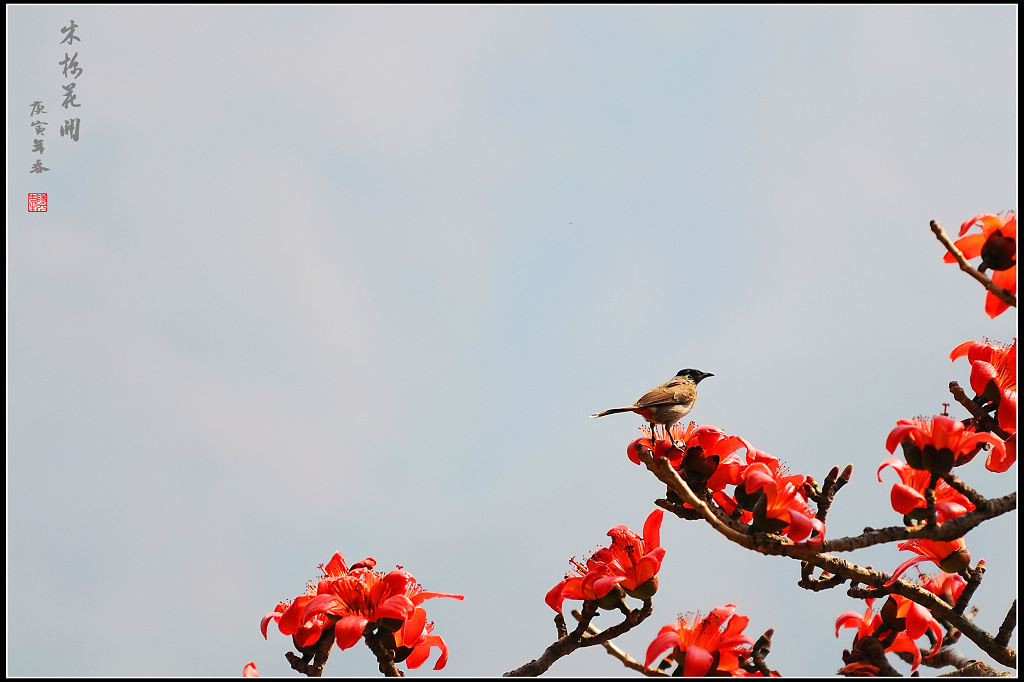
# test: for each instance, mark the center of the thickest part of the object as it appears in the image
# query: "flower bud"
(999, 252)
(957, 561)
(611, 601)
(645, 591)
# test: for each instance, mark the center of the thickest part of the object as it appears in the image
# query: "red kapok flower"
(939, 443)
(782, 504)
(997, 246)
(945, 586)
(711, 646)
(902, 614)
(908, 496)
(250, 670)
(874, 624)
(357, 601)
(291, 616)
(661, 447)
(706, 449)
(993, 377)
(865, 624)
(732, 471)
(368, 599)
(631, 562)
(949, 555)
(413, 642)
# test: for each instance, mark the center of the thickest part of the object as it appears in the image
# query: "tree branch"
(997, 291)
(816, 556)
(567, 644)
(618, 653)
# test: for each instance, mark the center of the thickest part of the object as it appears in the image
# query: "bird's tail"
(613, 411)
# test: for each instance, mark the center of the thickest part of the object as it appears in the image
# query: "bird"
(668, 403)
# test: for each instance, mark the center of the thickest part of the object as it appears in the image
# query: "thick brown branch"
(775, 545)
(978, 669)
(816, 556)
(949, 530)
(939, 608)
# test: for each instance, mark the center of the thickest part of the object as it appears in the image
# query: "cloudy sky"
(353, 278)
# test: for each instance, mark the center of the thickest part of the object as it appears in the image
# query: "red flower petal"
(1001, 460)
(981, 373)
(349, 630)
(442, 660)
(1007, 414)
(398, 607)
(665, 641)
(652, 528)
(696, 662)
(314, 606)
(970, 246)
(420, 597)
(906, 499)
(554, 597)
(295, 615)
(961, 350)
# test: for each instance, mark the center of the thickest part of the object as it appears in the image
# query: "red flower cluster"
(940, 443)
(704, 449)
(629, 565)
(932, 447)
(945, 586)
(907, 619)
(712, 646)
(994, 380)
(908, 495)
(357, 601)
(768, 498)
(997, 246)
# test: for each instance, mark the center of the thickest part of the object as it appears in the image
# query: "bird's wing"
(657, 396)
(667, 395)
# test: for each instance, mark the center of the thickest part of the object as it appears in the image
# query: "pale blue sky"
(353, 278)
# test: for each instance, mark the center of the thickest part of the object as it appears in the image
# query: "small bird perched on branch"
(668, 403)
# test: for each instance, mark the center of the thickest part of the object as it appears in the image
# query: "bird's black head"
(694, 374)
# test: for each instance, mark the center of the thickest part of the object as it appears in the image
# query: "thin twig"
(997, 291)
(621, 655)
(980, 414)
(973, 577)
(578, 638)
(302, 664)
(385, 656)
(967, 491)
(1009, 623)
